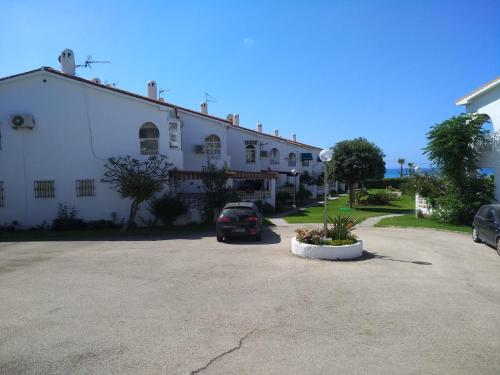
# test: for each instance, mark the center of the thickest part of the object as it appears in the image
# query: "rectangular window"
(1, 194)
(85, 188)
(305, 163)
(45, 189)
(173, 128)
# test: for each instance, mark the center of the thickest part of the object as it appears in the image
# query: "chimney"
(204, 108)
(67, 60)
(230, 118)
(96, 80)
(276, 133)
(152, 90)
(294, 137)
(259, 126)
(236, 119)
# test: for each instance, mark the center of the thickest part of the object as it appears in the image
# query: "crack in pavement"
(240, 343)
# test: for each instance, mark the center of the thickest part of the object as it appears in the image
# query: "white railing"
(257, 195)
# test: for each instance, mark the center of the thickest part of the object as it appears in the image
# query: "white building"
(57, 131)
(486, 100)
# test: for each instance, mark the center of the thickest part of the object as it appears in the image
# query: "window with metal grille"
(149, 136)
(1, 194)
(174, 134)
(85, 188)
(250, 154)
(45, 189)
(213, 146)
(292, 160)
(275, 156)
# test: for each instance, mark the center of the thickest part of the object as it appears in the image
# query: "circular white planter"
(326, 251)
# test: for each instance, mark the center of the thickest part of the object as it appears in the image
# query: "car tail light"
(224, 219)
(252, 218)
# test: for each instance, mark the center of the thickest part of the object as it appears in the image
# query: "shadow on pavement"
(269, 237)
(369, 255)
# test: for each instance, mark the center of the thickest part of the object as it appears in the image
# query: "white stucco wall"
(70, 117)
(489, 104)
(236, 145)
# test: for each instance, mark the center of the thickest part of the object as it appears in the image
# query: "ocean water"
(395, 172)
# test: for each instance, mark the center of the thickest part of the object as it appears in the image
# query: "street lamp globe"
(326, 155)
(293, 171)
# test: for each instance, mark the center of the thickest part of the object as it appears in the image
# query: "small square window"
(45, 189)
(85, 188)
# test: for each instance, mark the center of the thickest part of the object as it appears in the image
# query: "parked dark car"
(486, 226)
(242, 219)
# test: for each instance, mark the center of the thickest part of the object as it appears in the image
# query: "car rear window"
(237, 211)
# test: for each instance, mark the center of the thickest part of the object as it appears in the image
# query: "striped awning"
(237, 175)
(306, 156)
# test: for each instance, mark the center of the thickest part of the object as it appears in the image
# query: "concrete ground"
(420, 302)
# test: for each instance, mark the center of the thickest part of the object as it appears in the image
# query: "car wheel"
(220, 239)
(258, 237)
(498, 246)
(475, 237)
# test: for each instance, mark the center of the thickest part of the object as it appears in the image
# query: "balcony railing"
(256, 195)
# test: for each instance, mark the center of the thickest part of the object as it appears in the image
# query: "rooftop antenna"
(112, 84)
(88, 63)
(163, 90)
(209, 98)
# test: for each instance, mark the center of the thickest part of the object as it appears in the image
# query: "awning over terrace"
(236, 175)
(306, 156)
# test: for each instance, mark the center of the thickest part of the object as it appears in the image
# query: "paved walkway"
(371, 221)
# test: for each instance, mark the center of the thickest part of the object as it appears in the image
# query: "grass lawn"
(405, 205)
(411, 221)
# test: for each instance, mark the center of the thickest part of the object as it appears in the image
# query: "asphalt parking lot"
(419, 302)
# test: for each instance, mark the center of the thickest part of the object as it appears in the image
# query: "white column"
(272, 188)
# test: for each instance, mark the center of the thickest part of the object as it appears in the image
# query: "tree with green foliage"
(410, 168)
(454, 146)
(354, 161)
(401, 162)
(136, 179)
(217, 191)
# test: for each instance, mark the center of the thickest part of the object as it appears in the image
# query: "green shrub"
(67, 218)
(166, 208)
(265, 207)
(364, 198)
(339, 232)
(383, 183)
(302, 195)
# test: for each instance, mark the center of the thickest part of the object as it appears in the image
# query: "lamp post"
(294, 174)
(325, 156)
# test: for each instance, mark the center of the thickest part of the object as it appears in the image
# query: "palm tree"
(401, 162)
(410, 166)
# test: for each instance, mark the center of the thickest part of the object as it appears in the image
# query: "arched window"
(292, 160)
(212, 144)
(275, 156)
(250, 154)
(148, 136)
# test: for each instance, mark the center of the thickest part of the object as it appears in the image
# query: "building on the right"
(486, 100)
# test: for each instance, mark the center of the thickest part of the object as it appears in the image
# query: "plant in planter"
(339, 242)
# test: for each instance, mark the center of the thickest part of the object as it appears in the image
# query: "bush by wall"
(383, 183)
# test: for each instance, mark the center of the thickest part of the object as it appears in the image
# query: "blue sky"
(327, 70)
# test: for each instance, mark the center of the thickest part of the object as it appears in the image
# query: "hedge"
(383, 183)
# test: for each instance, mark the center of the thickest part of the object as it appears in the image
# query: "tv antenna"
(112, 84)
(88, 63)
(209, 98)
(163, 91)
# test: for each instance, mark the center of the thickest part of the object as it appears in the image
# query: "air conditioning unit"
(264, 154)
(22, 122)
(199, 149)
